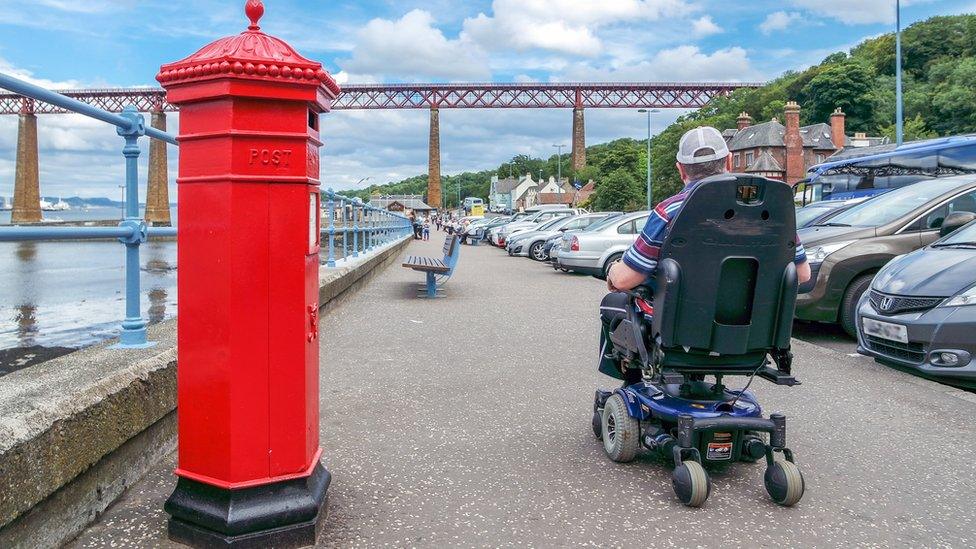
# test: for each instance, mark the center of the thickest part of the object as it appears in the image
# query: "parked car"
(472, 228)
(517, 236)
(921, 309)
(529, 222)
(556, 243)
(819, 212)
(592, 252)
(512, 218)
(532, 243)
(846, 251)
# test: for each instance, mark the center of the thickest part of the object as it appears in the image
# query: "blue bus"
(864, 176)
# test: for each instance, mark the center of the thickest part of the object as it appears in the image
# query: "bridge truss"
(647, 95)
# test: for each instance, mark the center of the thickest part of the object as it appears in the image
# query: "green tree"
(846, 85)
(954, 96)
(620, 191)
(914, 129)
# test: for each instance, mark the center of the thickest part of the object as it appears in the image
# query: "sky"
(64, 44)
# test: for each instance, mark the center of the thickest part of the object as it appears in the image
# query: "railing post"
(368, 232)
(134, 326)
(345, 229)
(355, 230)
(330, 262)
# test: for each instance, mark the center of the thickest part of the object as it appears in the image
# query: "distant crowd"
(448, 222)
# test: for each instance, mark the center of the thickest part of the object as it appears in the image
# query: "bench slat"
(421, 263)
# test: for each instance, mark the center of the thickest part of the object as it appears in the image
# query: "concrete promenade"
(465, 421)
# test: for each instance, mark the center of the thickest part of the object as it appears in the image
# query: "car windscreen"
(808, 213)
(965, 235)
(552, 224)
(894, 204)
(601, 224)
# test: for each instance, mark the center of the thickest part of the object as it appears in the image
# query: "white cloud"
(86, 6)
(705, 26)
(681, 64)
(778, 21)
(413, 47)
(563, 26)
(854, 12)
(7, 68)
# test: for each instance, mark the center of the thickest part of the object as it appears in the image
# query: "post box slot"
(313, 120)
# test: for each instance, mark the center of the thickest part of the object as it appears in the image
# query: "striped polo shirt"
(642, 256)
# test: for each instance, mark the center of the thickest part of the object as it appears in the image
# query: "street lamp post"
(559, 170)
(899, 112)
(650, 185)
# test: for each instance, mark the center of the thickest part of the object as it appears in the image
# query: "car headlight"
(966, 298)
(818, 254)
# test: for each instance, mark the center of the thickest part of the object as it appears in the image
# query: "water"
(78, 214)
(72, 293)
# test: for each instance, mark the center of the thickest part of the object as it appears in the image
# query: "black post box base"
(284, 514)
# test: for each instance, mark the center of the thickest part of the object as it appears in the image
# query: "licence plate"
(885, 330)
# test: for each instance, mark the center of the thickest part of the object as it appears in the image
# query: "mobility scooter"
(723, 306)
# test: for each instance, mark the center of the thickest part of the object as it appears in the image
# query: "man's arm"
(622, 277)
(803, 272)
(640, 261)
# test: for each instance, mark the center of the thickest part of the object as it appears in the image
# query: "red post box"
(247, 375)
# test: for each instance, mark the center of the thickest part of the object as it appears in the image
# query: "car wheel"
(537, 252)
(610, 260)
(848, 306)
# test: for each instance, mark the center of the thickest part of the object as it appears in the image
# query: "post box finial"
(254, 10)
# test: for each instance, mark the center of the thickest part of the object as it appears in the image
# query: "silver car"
(531, 222)
(532, 243)
(591, 252)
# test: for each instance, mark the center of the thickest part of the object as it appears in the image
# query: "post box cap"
(250, 55)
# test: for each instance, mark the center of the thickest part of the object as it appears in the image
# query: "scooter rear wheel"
(621, 432)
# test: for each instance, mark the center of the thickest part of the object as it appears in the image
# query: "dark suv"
(846, 251)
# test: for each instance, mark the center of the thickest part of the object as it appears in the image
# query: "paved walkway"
(465, 422)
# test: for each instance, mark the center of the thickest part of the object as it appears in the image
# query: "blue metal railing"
(361, 227)
(133, 230)
(348, 218)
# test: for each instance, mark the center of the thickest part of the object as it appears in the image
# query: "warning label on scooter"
(719, 451)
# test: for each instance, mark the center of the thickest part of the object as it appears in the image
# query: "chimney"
(837, 136)
(744, 121)
(794, 144)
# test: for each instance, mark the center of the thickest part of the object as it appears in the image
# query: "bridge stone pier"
(434, 97)
(27, 188)
(157, 187)
(579, 139)
(434, 159)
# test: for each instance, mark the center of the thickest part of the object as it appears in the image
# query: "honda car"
(921, 309)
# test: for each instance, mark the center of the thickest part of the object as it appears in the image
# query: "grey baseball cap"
(703, 139)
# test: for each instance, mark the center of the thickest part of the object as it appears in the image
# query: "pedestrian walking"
(426, 230)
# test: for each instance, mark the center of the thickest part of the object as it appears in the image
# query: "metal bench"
(438, 270)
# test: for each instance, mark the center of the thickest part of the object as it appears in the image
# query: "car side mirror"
(954, 221)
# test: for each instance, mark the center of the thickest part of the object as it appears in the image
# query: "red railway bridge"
(577, 96)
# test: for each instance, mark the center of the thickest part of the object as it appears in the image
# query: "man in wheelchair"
(708, 289)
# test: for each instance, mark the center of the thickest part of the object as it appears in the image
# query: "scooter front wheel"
(784, 482)
(691, 483)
